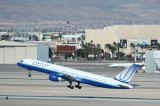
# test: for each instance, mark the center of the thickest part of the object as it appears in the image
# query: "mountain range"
(80, 11)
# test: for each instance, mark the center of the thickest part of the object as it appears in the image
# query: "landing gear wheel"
(29, 75)
(71, 87)
(79, 87)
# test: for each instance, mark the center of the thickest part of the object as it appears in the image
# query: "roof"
(7, 43)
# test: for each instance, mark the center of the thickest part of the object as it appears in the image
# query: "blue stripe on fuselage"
(82, 79)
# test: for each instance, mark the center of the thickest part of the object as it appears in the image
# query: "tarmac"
(17, 89)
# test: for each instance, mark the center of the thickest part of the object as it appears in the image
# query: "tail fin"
(157, 66)
(126, 75)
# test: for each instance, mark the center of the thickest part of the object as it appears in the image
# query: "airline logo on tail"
(126, 75)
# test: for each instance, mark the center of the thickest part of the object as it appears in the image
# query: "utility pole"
(38, 30)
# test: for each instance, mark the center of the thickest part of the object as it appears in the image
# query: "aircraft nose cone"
(19, 64)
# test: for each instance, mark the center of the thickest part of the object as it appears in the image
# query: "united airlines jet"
(61, 73)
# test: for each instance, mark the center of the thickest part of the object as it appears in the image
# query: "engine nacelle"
(55, 78)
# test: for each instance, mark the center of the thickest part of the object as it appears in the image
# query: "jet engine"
(55, 78)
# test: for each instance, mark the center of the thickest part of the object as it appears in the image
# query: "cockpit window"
(21, 60)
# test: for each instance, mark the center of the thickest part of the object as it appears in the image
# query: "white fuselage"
(124, 64)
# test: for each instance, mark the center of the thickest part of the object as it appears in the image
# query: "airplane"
(157, 67)
(120, 65)
(60, 73)
(124, 65)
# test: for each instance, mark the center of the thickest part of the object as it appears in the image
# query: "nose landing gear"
(29, 74)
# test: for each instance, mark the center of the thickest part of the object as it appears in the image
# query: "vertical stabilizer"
(157, 67)
(126, 75)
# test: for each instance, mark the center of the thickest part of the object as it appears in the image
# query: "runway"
(78, 98)
(17, 89)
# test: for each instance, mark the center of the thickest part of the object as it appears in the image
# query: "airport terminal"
(127, 34)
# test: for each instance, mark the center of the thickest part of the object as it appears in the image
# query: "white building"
(12, 52)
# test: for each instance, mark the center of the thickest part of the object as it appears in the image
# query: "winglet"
(126, 75)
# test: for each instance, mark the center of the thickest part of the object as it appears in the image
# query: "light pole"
(76, 50)
(135, 57)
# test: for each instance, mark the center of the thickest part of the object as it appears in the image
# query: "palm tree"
(149, 47)
(132, 46)
(118, 46)
(83, 37)
(79, 39)
(138, 45)
(142, 46)
(122, 45)
(98, 49)
(60, 35)
(158, 46)
(35, 37)
(108, 46)
(111, 48)
(92, 47)
(43, 38)
(73, 39)
(85, 48)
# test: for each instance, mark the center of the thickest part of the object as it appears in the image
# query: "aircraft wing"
(69, 78)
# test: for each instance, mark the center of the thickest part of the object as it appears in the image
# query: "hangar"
(12, 52)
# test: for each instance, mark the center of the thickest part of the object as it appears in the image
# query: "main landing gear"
(72, 87)
(78, 86)
(29, 74)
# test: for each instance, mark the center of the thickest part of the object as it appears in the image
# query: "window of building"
(153, 43)
(123, 43)
(143, 43)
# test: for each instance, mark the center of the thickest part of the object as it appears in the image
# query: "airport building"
(126, 34)
(12, 52)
